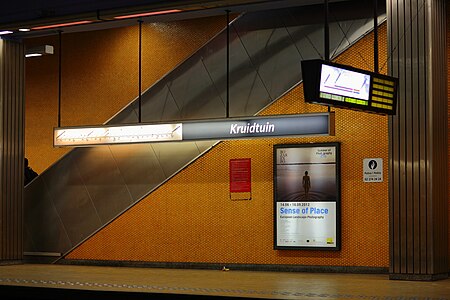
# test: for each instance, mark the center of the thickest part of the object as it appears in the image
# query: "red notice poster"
(240, 175)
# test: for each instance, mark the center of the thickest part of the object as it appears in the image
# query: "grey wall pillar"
(418, 140)
(11, 150)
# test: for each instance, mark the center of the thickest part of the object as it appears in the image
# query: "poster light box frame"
(307, 220)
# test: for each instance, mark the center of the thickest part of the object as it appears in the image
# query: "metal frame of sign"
(313, 124)
(307, 196)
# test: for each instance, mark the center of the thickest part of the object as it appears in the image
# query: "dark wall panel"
(11, 149)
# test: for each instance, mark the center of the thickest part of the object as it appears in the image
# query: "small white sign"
(373, 170)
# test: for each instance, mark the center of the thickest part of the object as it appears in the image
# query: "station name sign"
(215, 129)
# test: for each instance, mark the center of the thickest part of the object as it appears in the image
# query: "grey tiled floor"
(270, 285)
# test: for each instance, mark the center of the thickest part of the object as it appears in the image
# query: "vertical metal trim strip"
(22, 147)
(2, 202)
(402, 139)
(422, 135)
(3, 154)
(409, 138)
(2, 140)
(416, 138)
(439, 135)
(18, 145)
(396, 141)
(13, 179)
(11, 151)
(443, 144)
(394, 182)
(7, 146)
(390, 171)
(429, 137)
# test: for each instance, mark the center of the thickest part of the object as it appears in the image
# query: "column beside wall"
(418, 140)
(11, 150)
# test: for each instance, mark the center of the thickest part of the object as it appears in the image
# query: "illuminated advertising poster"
(307, 196)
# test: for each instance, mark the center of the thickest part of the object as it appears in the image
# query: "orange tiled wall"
(100, 76)
(192, 219)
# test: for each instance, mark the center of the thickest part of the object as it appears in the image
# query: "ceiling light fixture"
(33, 55)
(61, 25)
(24, 29)
(3, 32)
(153, 13)
(39, 51)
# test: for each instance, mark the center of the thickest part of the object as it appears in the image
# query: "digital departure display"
(347, 87)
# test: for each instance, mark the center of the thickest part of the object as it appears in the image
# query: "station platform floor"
(41, 281)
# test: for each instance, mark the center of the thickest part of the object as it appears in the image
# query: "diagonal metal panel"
(71, 199)
(139, 168)
(107, 191)
(54, 236)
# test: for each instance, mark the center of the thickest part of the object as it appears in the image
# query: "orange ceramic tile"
(192, 219)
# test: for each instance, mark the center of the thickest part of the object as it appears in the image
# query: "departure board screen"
(347, 87)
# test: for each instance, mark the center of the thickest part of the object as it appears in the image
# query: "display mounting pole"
(228, 65)
(375, 36)
(327, 33)
(140, 70)
(327, 38)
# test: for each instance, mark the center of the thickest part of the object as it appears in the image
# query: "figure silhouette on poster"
(306, 182)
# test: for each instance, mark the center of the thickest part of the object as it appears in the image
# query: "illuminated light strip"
(325, 95)
(382, 106)
(385, 94)
(387, 82)
(127, 134)
(384, 100)
(33, 55)
(153, 13)
(61, 25)
(383, 88)
(356, 101)
(337, 97)
(362, 102)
